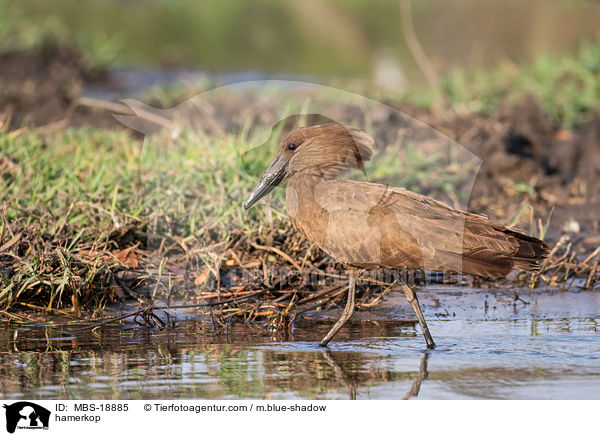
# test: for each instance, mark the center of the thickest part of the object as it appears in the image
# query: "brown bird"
(367, 225)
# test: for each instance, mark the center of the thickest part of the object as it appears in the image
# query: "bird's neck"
(300, 197)
(307, 178)
(307, 215)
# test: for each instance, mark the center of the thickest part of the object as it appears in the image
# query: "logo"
(26, 415)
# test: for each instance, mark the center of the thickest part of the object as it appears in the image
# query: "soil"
(37, 88)
(520, 144)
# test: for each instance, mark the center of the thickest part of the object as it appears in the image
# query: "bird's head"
(325, 150)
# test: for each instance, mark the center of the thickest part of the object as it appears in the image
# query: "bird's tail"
(530, 252)
(494, 250)
(527, 254)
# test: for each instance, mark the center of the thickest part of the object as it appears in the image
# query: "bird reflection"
(342, 376)
(416, 387)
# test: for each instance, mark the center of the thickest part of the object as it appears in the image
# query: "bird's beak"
(272, 177)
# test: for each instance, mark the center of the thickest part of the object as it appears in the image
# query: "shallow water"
(488, 346)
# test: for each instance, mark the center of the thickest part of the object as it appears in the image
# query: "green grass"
(62, 194)
(568, 86)
(102, 177)
(73, 193)
(69, 171)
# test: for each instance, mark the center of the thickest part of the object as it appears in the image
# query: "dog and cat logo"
(26, 415)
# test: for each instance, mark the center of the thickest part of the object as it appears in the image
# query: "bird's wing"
(401, 228)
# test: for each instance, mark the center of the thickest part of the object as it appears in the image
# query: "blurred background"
(333, 38)
(467, 54)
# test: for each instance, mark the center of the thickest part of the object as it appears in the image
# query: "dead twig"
(279, 252)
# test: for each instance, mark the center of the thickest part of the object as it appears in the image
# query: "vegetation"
(568, 87)
(69, 198)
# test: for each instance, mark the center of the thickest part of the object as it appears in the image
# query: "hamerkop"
(367, 225)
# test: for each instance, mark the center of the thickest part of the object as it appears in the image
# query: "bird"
(366, 225)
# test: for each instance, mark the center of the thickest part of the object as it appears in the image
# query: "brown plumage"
(368, 225)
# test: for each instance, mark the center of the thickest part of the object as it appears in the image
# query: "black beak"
(272, 177)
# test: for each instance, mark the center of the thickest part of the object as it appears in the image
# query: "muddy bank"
(38, 88)
(523, 152)
(526, 161)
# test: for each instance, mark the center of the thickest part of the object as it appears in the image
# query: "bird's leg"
(348, 310)
(411, 297)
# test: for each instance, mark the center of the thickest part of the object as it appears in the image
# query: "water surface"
(489, 346)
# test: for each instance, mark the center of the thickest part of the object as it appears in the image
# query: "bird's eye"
(292, 147)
